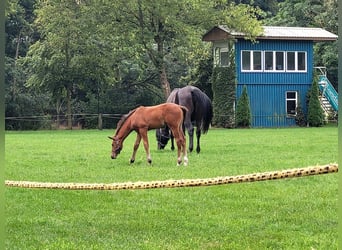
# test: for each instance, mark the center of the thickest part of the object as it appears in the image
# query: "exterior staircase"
(328, 95)
(329, 112)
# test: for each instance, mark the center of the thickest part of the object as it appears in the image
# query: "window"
(274, 61)
(251, 60)
(268, 60)
(221, 57)
(290, 62)
(296, 61)
(257, 60)
(279, 60)
(301, 61)
(224, 57)
(246, 60)
(291, 103)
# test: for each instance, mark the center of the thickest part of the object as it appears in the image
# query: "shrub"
(223, 86)
(315, 111)
(300, 116)
(243, 110)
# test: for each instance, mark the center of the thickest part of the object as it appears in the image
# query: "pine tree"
(315, 111)
(243, 110)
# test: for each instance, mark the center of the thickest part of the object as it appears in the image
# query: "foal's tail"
(185, 110)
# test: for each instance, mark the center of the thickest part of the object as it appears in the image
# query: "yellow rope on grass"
(274, 175)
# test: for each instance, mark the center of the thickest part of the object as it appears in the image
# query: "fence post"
(100, 121)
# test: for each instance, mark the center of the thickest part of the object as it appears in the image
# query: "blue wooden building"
(277, 69)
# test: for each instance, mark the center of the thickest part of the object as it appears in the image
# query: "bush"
(243, 110)
(315, 111)
(300, 116)
(224, 88)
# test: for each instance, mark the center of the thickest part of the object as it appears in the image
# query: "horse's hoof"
(131, 161)
(149, 161)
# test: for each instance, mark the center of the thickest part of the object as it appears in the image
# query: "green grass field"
(299, 213)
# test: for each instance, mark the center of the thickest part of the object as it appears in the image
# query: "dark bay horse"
(200, 114)
(143, 119)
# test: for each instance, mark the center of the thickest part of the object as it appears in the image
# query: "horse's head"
(163, 137)
(116, 146)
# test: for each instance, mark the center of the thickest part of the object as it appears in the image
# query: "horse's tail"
(203, 109)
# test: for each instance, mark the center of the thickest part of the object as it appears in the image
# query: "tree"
(223, 85)
(20, 34)
(86, 49)
(300, 116)
(315, 111)
(313, 13)
(243, 110)
(68, 55)
(169, 29)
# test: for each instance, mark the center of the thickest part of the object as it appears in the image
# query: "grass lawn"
(298, 213)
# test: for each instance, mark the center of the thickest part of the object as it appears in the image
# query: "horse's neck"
(124, 130)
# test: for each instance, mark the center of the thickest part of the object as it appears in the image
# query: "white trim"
(296, 62)
(291, 99)
(223, 50)
(274, 61)
(251, 61)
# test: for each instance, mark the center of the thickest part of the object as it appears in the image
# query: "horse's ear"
(112, 138)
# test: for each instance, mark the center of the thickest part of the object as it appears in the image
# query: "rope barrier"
(282, 174)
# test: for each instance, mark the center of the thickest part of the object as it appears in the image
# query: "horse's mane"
(123, 119)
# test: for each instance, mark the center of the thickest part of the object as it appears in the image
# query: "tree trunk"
(164, 82)
(58, 113)
(69, 118)
(14, 85)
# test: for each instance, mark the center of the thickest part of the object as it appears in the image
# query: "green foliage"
(203, 76)
(313, 13)
(243, 110)
(78, 56)
(273, 214)
(300, 116)
(224, 91)
(315, 111)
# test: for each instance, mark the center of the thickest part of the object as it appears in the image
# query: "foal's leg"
(146, 146)
(181, 146)
(135, 147)
(185, 156)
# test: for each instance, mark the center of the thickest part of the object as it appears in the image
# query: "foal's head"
(116, 146)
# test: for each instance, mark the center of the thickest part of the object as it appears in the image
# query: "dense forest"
(67, 61)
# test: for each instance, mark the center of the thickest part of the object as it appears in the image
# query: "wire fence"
(87, 121)
(78, 121)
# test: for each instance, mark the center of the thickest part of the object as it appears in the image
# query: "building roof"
(222, 32)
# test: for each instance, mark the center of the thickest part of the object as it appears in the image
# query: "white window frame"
(274, 61)
(296, 62)
(251, 61)
(291, 99)
(223, 50)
